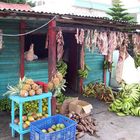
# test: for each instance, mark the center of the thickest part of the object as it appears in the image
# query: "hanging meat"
(60, 44)
(136, 43)
(112, 44)
(123, 54)
(102, 43)
(87, 40)
(95, 37)
(80, 35)
(77, 35)
(47, 41)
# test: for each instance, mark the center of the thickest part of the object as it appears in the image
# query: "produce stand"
(20, 100)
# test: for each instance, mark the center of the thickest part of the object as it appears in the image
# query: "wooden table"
(20, 100)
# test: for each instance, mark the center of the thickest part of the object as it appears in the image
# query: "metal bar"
(20, 119)
(40, 106)
(13, 117)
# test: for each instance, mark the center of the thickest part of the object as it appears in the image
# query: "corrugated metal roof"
(56, 10)
(69, 10)
(11, 6)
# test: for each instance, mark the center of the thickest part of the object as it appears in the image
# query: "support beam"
(52, 49)
(22, 39)
(52, 57)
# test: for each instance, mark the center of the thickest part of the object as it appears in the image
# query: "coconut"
(29, 81)
(38, 91)
(59, 75)
(35, 87)
(32, 92)
(26, 87)
(23, 93)
(56, 81)
(25, 126)
(24, 117)
(50, 86)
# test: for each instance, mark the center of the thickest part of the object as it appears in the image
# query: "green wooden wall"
(37, 70)
(10, 57)
(95, 62)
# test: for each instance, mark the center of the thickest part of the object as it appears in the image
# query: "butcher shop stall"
(37, 44)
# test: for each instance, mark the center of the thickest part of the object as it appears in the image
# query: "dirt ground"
(109, 126)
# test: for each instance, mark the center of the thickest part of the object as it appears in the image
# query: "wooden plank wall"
(38, 69)
(95, 62)
(9, 56)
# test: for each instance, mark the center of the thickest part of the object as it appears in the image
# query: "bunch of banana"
(88, 90)
(62, 67)
(128, 101)
(83, 73)
(135, 111)
(99, 91)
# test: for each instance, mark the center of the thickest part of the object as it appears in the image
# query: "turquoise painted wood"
(20, 101)
(37, 70)
(107, 78)
(95, 62)
(9, 56)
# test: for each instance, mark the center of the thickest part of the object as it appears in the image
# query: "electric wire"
(29, 32)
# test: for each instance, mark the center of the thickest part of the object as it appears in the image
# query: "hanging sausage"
(60, 44)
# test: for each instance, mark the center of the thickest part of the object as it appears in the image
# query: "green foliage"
(20, 2)
(5, 104)
(137, 60)
(61, 98)
(14, 1)
(108, 65)
(117, 12)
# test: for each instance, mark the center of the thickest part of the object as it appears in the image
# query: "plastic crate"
(68, 133)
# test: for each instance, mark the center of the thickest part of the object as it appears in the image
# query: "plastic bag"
(130, 73)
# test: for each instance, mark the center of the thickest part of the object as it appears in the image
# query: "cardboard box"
(65, 106)
(80, 107)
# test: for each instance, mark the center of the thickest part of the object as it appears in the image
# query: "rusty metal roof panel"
(16, 7)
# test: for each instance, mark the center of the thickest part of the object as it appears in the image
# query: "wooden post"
(52, 57)
(22, 30)
(53, 102)
(104, 72)
(52, 49)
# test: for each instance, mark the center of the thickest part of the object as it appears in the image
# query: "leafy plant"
(61, 98)
(60, 87)
(108, 65)
(99, 91)
(137, 60)
(30, 2)
(117, 12)
(5, 104)
(15, 90)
